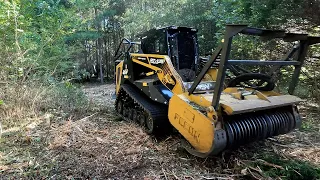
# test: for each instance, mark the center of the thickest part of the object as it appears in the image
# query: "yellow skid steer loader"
(164, 84)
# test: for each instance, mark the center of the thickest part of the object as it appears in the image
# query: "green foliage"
(41, 37)
(196, 14)
(308, 126)
(291, 169)
(67, 97)
(47, 38)
(85, 35)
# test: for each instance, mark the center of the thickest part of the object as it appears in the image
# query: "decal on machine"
(185, 125)
(142, 58)
(205, 86)
(156, 61)
(189, 115)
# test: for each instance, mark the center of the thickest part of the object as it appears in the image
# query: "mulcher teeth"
(243, 129)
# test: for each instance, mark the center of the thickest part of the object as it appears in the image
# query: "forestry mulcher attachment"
(164, 84)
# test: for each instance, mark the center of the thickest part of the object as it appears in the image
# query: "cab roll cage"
(124, 41)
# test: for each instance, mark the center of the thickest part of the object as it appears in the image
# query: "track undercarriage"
(133, 106)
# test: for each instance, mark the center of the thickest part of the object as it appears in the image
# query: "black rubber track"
(142, 103)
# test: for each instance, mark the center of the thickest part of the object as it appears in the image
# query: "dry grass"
(99, 146)
(22, 104)
(19, 103)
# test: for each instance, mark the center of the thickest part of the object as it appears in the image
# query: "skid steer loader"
(164, 84)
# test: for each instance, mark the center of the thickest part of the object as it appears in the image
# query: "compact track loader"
(164, 84)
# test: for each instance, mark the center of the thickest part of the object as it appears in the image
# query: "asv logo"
(156, 61)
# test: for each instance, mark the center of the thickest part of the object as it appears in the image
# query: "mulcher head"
(241, 110)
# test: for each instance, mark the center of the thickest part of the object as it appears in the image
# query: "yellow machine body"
(151, 86)
(196, 127)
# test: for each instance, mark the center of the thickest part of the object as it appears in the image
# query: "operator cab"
(179, 43)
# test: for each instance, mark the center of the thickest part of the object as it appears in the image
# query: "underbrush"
(304, 89)
(27, 111)
(23, 103)
(274, 166)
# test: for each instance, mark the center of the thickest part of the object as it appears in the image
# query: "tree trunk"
(106, 50)
(98, 48)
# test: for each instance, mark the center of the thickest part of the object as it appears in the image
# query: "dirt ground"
(101, 146)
